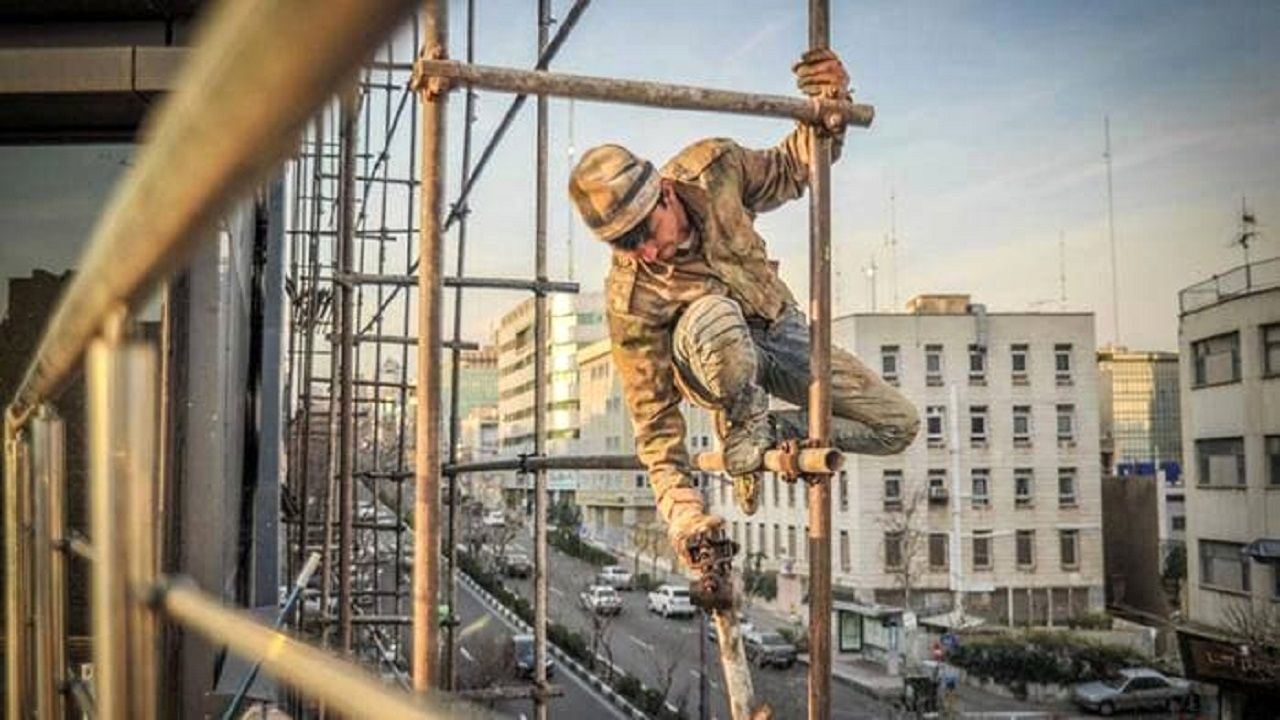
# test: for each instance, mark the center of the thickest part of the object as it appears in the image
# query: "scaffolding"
(351, 310)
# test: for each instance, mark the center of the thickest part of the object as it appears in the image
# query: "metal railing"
(1247, 278)
(242, 100)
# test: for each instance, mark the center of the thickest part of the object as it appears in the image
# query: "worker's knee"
(712, 345)
(898, 434)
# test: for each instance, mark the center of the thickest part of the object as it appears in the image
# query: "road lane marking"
(466, 654)
(641, 643)
(556, 590)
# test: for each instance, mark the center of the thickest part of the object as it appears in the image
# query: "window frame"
(944, 538)
(1074, 536)
(893, 502)
(978, 369)
(1021, 440)
(1063, 351)
(987, 539)
(933, 351)
(1066, 411)
(935, 413)
(1028, 499)
(1199, 369)
(1271, 452)
(893, 540)
(1020, 351)
(888, 352)
(1267, 344)
(1018, 537)
(1073, 499)
(1230, 551)
(979, 415)
(1204, 466)
(980, 501)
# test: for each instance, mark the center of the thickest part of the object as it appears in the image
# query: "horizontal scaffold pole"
(650, 94)
(786, 460)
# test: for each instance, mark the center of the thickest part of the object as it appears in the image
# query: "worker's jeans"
(870, 416)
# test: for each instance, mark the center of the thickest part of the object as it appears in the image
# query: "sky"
(988, 136)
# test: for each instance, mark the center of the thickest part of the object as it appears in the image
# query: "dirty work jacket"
(722, 186)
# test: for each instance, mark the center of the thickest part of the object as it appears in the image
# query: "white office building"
(1229, 337)
(998, 499)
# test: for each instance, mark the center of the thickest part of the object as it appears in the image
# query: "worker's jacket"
(722, 186)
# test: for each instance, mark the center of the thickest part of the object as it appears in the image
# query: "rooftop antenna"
(1111, 231)
(569, 206)
(892, 241)
(1248, 233)
(870, 271)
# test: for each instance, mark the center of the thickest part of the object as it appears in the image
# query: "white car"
(601, 600)
(670, 600)
(495, 518)
(615, 577)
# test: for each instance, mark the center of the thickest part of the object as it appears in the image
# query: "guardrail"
(1237, 281)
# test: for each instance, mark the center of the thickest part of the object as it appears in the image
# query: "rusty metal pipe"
(541, 320)
(819, 393)
(15, 579)
(209, 143)
(426, 501)
(563, 462)
(341, 686)
(810, 461)
(831, 113)
(348, 120)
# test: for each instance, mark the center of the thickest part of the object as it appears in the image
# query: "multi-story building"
(1138, 407)
(618, 507)
(997, 500)
(575, 321)
(1229, 336)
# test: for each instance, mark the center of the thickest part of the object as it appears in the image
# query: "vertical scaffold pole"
(16, 581)
(426, 501)
(121, 379)
(346, 373)
(48, 463)
(540, 319)
(819, 394)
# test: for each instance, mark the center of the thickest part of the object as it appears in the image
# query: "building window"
(1066, 424)
(746, 536)
(1069, 547)
(982, 549)
(764, 542)
(844, 490)
(791, 495)
(1025, 548)
(791, 541)
(1062, 363)
(938, 551)
(1220, 462)
(978, 425)
(735, 531)
(933, 364)
(937, 486)
(1018, 361)
(1022, 426)
(892, 550)
(935, 421)
(1066, 487)
(639, 481)
(889, 363)
(777, 540)
(724, 490)
(1216, 360)
(1273, 459)
(977, 365)
(1271, 350)
(845, 563)
(1023, 487)
(892, 489)
(776, 484)
(1223, 565)
(1178, 523)
(981, 479)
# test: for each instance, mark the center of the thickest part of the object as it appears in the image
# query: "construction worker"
(695, 308)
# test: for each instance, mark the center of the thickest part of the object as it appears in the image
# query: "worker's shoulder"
(695, 158)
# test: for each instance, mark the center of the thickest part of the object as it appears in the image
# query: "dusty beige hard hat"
(613, 190)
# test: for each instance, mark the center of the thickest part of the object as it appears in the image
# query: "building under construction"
(233, 477)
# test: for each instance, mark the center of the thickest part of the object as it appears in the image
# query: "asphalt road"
(483, 660)
(653, 649)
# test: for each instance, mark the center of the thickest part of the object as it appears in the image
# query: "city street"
(483, 660)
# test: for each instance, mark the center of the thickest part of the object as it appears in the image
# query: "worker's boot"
(744, 438)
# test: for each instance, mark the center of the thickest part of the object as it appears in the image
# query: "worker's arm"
(781, 173)
(642, 356)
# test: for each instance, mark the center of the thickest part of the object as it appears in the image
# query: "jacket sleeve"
(642, 356)
(775, 175)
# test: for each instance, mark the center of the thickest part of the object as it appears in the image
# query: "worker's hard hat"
(613, 189)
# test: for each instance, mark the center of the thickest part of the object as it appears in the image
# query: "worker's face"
(668, 226)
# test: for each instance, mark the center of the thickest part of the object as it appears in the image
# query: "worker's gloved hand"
(821, 74)
(687, 527)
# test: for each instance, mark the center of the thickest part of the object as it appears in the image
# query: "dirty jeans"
(870, 416)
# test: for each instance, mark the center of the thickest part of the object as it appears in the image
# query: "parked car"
(1133, 689)
(516, 564)
(522, 654)
(670, 600)
(767, 649)
(495, 518)
(745, 628)
(615, 577)
(601, 599)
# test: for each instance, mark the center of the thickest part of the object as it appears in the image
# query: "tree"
(646, 538)
(663, 665)
(600, 626)
(500, 537)
(1258, 626)
(904, 537)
